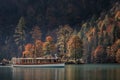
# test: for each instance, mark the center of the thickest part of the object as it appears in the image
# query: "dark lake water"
(70, 72)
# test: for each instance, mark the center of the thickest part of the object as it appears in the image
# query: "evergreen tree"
(20, 35)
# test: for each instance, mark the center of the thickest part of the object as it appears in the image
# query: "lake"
(70, 72)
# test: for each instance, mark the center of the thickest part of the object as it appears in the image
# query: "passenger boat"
(37, 62)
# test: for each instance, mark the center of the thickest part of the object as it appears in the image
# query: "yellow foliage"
(49, 39)
(118, 56)
(74, 43)
(117, 15)
(45, 45)
(117, 43)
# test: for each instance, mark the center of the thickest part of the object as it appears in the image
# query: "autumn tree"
(118, 56)
(74, 47)
(99, 55)
(39, 45)
(20, 34)
(63, 35)
(118, 43)
(36, 36)
(117, 15)
(113, 54)
(49, 46)
(117, 50)
(28, 50)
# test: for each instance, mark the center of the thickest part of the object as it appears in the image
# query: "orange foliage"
(45, 44)
(74, 43)
(38, 43)
(49, 38)
(117, 15)
(118, 42)
(25, 52)
(118, 56)
(48, 47)
(28, 47)
(98, 51)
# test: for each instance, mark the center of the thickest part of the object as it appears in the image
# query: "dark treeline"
(50, 13)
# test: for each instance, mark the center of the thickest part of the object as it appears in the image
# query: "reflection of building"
(38, 74)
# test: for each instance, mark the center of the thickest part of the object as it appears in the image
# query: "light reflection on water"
(70, 72)
(38, 73)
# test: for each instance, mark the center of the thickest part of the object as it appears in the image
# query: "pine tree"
(20, 35)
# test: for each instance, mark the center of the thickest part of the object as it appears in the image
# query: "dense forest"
(58, 27)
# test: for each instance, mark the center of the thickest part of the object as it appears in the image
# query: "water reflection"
(38, 73)
(93, 72)
(70, 72)
(5, 73)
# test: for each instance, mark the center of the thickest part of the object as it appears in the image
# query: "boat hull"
(39, 65)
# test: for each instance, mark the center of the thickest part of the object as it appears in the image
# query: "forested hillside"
(70, 29)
